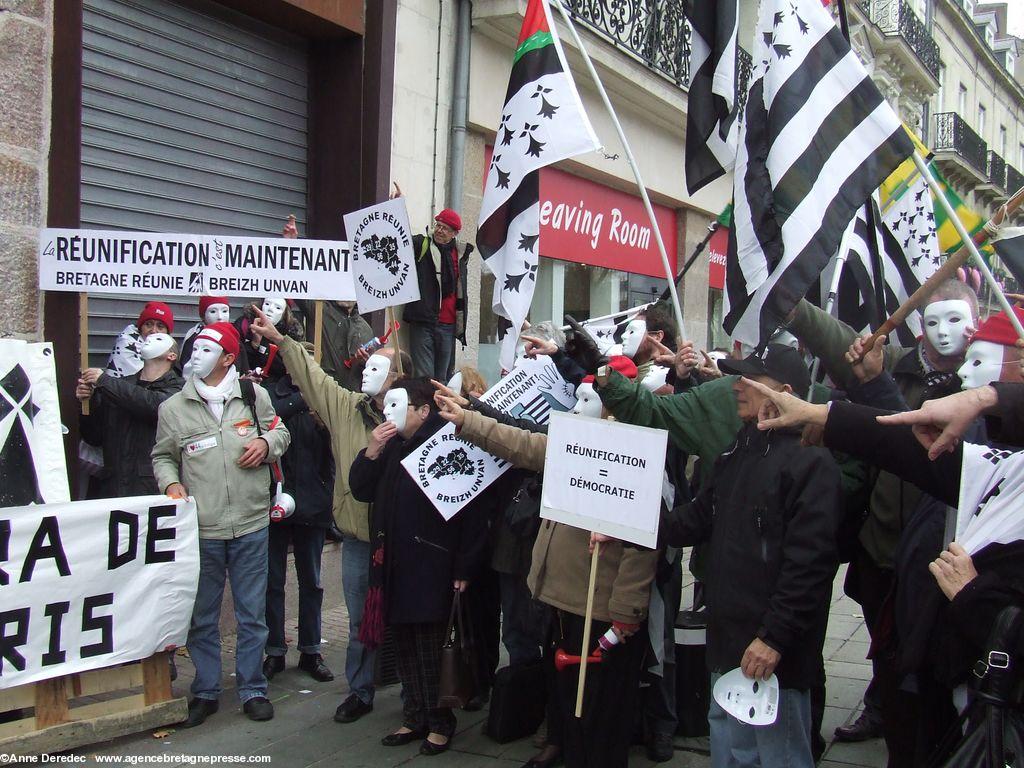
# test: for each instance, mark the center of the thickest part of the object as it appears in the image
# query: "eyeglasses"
(443, 229)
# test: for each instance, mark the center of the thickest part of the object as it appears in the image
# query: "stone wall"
(26, 44)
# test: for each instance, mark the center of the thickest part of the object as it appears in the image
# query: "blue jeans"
(786, 743)
(307, 545)
(432, 348)
(244, 561)
(522, 620)
(355, 574)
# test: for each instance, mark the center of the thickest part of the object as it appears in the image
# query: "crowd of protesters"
(773, 479)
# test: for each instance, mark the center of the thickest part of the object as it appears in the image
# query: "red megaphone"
(563, 659)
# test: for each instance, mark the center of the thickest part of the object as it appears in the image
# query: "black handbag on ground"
(458, 682)
(518, 699)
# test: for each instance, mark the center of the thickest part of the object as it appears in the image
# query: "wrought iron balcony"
(744, 68)
(1014, 180)
(995, 168)
(953, 134)
(895, 18)
(654, 31)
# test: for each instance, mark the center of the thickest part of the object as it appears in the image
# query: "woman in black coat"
(418, 558)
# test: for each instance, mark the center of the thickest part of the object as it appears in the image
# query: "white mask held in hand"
(587, 401)
(205, 355)
(375, 373)
(983, 364)
(455, 382)
(755, 702)
(396, 407)
(155, 345)
(947, 324)
(633, 337)
(221, 313)
(655, 378)
(273, 308)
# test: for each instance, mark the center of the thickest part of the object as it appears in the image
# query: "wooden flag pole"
(669, 273)
(585, 647)
(318, 331)
(83, 340)
(948, 270)
(389, 317)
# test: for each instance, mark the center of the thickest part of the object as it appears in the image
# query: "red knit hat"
(619, 363)
(157, 310)
(224, 335)
(205, 302)
(450, 218)
(998, 329)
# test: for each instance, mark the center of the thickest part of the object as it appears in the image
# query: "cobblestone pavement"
(303, 732)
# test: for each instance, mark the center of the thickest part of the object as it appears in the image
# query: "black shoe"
(660, 747)
(259, 708)
(198, 711)
(351, 709)
(313, 663)
(863, 728)
(477, 702)
(429, 748)
(401, 739)
(548, 762)
(272, 665)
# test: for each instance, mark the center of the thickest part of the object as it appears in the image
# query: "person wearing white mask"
(255, 347)
(418, 559)
(209, 445)
(350, 417)
(212, 309)
(122, 417)
(993, 354)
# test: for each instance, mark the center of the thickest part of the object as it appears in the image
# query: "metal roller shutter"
(194, 119)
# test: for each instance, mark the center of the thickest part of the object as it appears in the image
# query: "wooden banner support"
(389, 318)
(318, 331)
(57, 725)
(83, 340)
(585, 646)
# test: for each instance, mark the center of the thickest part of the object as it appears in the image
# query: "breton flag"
(542, 122)
(817, 138)
(711, 125)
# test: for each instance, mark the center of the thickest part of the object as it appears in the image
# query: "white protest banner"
(32, 469)
(604, 476)
(383, 261)
(99, 261)
(90, 584)
(451, 471)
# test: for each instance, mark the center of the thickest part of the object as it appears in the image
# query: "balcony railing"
(953, 134)
(895, 18)
(995, 169)
(744, 68)
(1014, 180)
(654, 31)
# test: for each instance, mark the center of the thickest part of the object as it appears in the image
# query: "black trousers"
(418, 651)
(869, 585)
(484, 595)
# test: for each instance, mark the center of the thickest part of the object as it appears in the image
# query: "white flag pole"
(669, 274)
(968, 241)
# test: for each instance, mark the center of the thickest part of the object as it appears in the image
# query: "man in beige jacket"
(350, 417)
(210, 446)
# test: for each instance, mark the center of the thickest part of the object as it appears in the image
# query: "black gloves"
(582, 348)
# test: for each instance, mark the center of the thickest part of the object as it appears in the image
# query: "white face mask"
(155, 345)
(983, 364)
(375, 373)
(205, 355)
(755, 702)
(587, 402)
(655, 378)
(633, 337)
(273, 308)
(396, 407)
(220, 313)
(947, 324)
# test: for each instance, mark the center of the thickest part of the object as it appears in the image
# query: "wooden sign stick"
(318, 331)
(83, 340)
(585, 646)
(389, 317)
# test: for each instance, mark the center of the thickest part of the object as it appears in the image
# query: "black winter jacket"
(308, 464)
(769, 509)
(423, 554)
(437, 279)
(122, 421)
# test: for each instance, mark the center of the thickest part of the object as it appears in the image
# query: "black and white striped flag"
(816, 139)
(711, 125)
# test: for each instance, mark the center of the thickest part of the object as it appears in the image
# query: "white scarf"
(215, 397)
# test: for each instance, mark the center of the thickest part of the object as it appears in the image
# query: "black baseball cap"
(782, 363)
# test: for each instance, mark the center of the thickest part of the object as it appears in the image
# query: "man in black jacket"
(769, 512)
(122, 417)
(438, 318)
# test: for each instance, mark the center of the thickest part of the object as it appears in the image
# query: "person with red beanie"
(212, 309)
(993, 354)
(438, 318)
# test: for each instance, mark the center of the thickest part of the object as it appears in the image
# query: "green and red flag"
(542, 122)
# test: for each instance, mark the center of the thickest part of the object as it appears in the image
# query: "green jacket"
(193, 449)
(350, 418)
(891, 500)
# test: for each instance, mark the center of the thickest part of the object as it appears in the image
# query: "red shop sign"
(589, 223)
(717, 247)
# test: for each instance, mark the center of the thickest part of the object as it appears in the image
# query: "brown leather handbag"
(458, 682)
